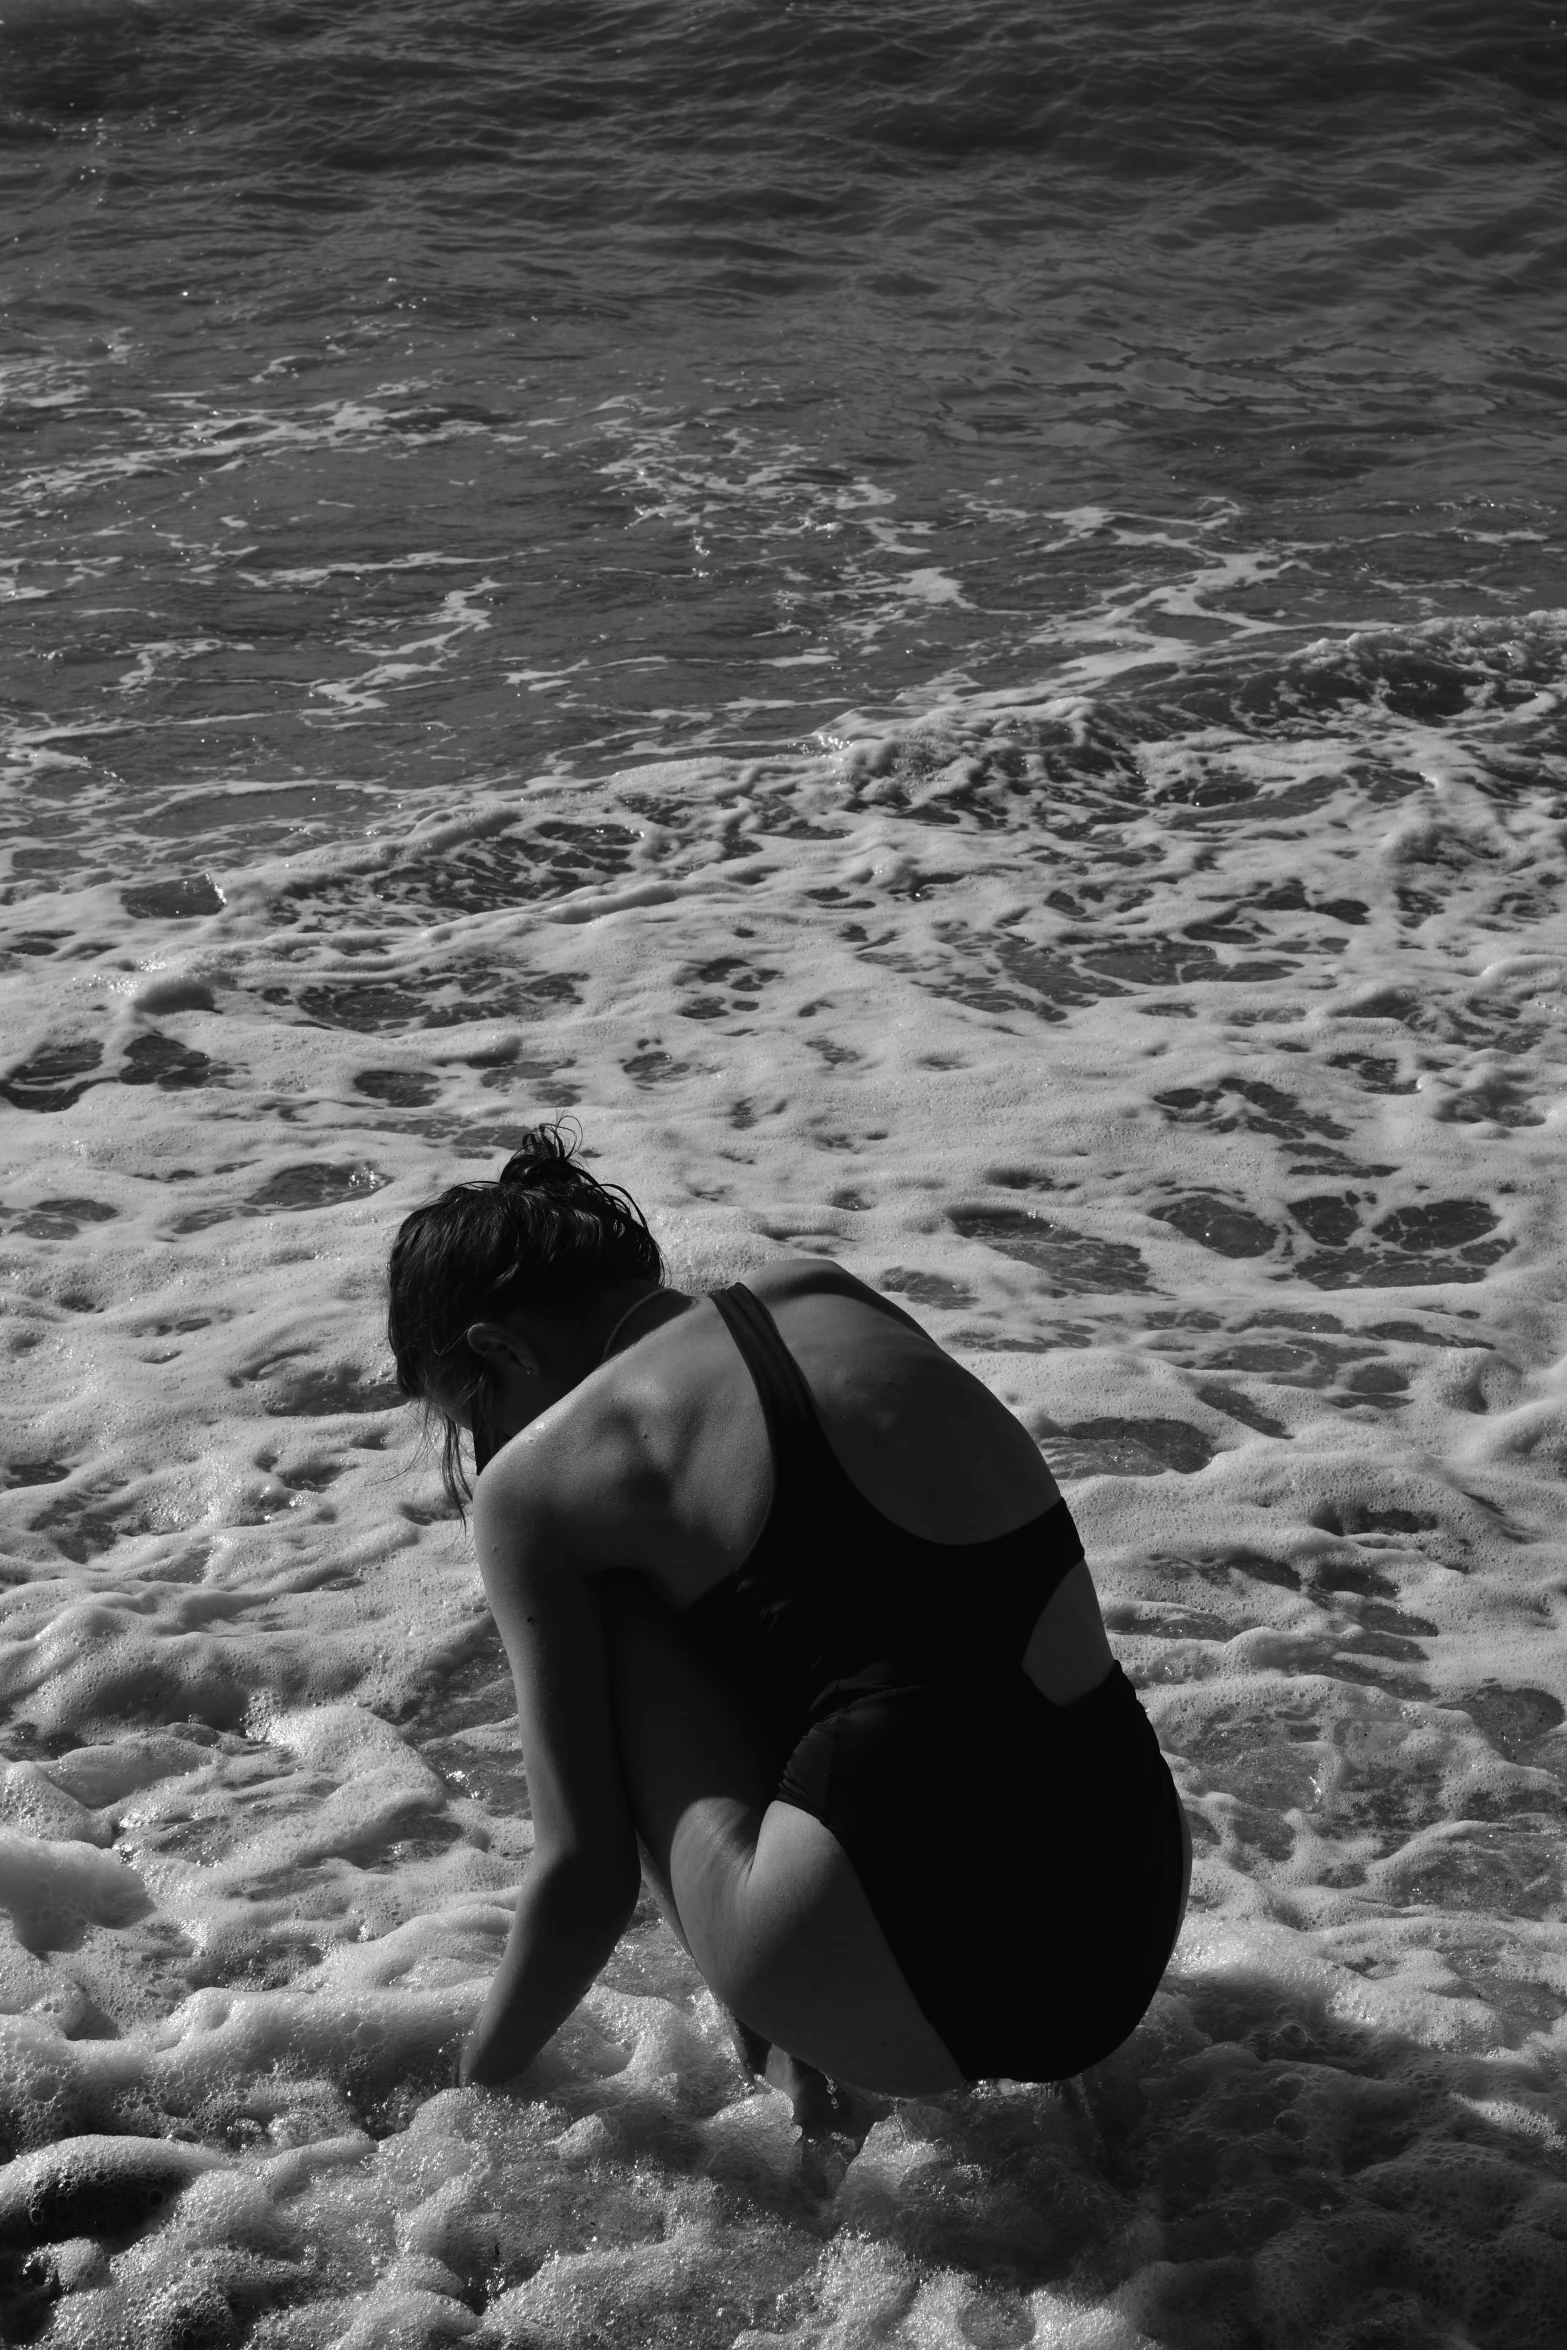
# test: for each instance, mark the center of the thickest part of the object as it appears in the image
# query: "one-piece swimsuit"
(1022, 1858)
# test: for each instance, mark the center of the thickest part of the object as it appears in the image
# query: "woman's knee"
(679, 1718)
(648, 1659)
(633, 1610)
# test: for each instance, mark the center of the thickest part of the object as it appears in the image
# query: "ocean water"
(948, 625)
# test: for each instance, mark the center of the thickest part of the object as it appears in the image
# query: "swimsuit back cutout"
(834, 1597)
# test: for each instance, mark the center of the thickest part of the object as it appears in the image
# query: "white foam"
(927, 998)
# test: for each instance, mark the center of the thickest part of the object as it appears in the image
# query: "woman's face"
(485, 1428)
(515, 1385)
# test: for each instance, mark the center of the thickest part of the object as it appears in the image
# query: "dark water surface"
(687, 374)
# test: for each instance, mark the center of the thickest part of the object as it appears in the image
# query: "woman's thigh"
(823, 1980)
(768, 1902)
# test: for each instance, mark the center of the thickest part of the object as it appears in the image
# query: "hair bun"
(546, 1161)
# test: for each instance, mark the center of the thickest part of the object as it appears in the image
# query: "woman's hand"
(465, 2070)
(500, 2046)
(569, 1916)
(472, 2070)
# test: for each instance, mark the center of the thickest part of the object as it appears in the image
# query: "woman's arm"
(584, 1876)
(561, 1935)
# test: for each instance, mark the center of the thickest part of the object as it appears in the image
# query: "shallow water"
(951, 631)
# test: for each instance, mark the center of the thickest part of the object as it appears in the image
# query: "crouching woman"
(801, 1626)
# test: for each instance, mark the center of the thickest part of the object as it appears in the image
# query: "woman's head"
(542, 1236)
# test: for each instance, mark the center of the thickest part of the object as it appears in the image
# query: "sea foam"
(1183, 1046)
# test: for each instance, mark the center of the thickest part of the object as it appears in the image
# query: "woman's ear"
(502, 1349)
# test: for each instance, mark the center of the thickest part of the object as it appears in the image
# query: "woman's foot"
(749, 2046)
(815, 2101)
(821, 2108)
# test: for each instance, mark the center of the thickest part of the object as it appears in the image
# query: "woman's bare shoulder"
(603, 1477)
(783, 1279)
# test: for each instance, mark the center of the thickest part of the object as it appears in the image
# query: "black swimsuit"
(1023, 1859)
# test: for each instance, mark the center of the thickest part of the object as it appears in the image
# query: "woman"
(793, 1603)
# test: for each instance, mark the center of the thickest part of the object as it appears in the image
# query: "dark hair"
(543, 1233)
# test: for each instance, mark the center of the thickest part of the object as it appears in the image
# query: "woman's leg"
(767, 1901)
(1186, 1873)
(815, 2107)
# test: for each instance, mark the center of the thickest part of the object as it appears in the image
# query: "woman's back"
(925, 1442)
(900, 1485)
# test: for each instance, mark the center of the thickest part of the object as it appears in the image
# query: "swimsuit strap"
(815, 1492)
(792, 1426)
